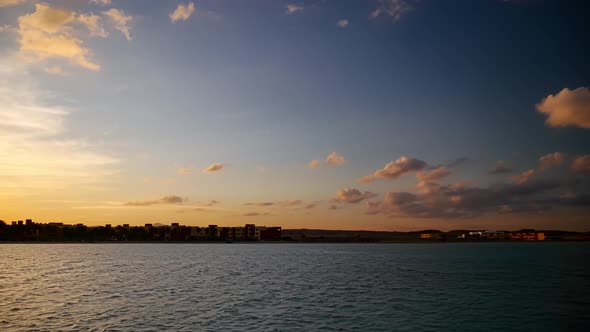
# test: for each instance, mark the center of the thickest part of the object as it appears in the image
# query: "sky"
(326, 114)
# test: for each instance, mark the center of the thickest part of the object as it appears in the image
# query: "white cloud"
(182, 12)
(567, 108)
(120, 20)
(342, 23)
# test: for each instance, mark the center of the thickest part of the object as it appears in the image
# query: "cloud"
(170, 199)
(36, 148)
(351, 196)
(185, 170)
(342, 23)
(290, 203)
(215, 167)
(120, 20)
(434, 175)
(333, 159)
(551, 160)
(7, 28)
(395, 169)
(256, 214)
(9, 3)
(392, 8)
(546, 162)
(182, 12)
(293, 8)
(311, 205)
(212, 203)
(523, 177)
(92, 22)
(567, 108)
(101, 2)
(467, 202)
(49, 33)
(55, 70)
(314, 164)
(333, 207)
(500, 168)
(581, 165)
(260, 203)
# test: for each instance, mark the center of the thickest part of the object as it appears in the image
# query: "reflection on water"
(299, 287)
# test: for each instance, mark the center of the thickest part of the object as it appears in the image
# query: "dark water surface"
(295, 287)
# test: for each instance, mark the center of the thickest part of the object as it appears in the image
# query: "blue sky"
(264, 91)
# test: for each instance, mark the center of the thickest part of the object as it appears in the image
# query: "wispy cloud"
(392, 8)
(170, 199)
(185, 170)
(120, 20)
(101, 2)
(293, 8)
(260, 203)
(36, 147)
(257, 214)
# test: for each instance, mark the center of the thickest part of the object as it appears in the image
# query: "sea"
(295, 287)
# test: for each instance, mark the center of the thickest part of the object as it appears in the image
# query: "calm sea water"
(299, 287)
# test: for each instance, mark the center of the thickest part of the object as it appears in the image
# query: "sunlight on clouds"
(34, 149)
(215, 167)
(8, 3)
(182, 12)
(120, 20)
(567, 108)
(49, 32)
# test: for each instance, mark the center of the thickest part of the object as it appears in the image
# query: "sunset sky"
(332, 114)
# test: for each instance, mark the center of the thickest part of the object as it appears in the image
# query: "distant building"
(270, 233)
(425, 235)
